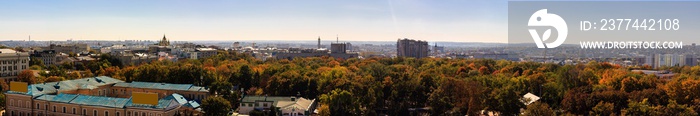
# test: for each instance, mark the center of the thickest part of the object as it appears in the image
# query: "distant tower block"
(338, 47)
(319, 42)
(411, 48)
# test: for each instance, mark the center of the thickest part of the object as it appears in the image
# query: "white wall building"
(12, 63)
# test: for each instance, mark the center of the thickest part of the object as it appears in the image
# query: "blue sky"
(182, 20)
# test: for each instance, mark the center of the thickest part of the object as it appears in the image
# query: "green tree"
(74, 75)
(244, 78)
(215, 106)
(675, 109)
(220, 88)
(340, 103)
(640, 109)
(538, 109)
(603, 109)
(577, 100)
(2, 101)
(455, 96)
(36, 61)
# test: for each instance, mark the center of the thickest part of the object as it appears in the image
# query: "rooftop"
(281, 102)
(67, 85)
(47, 91)
(10, 52)
(99, 101)
(252, 99)
(7, 51)
(163, 86)
(299, 104)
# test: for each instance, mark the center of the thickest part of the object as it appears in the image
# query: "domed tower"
(164, 42)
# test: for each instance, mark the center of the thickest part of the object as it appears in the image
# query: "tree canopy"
(398, 86)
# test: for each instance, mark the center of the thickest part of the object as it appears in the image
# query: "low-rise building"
(285, 106)
(68, 48)
(127, 58)
(101, 96)
(205, 52)
(47, 57)
(296, 52)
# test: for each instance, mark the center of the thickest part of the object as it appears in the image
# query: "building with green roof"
(102, 96)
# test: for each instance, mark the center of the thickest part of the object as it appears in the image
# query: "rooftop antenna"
(336, 38)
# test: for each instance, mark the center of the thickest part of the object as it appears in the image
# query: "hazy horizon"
(365, 20)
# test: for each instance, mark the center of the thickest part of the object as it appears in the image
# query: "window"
(94, 112)
(143, 113)
(128, 113)
(37, 106)
(117, 114)
(250, 105)
(264, 105)
(106, 113)
(12, 102)
(29, 105)
(73, 110)
(151, 114)
(64, 109)
(84, 111)
(19, 103)
(46, 106)
(54, 108)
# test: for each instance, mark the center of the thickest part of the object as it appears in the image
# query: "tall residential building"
(348, 45)
(338, 47)
(12, 63)
(411, 48)
(660, 60)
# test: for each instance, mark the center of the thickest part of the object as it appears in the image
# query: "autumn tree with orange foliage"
(27, 76)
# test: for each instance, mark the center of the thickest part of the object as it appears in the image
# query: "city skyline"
(454, 21)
